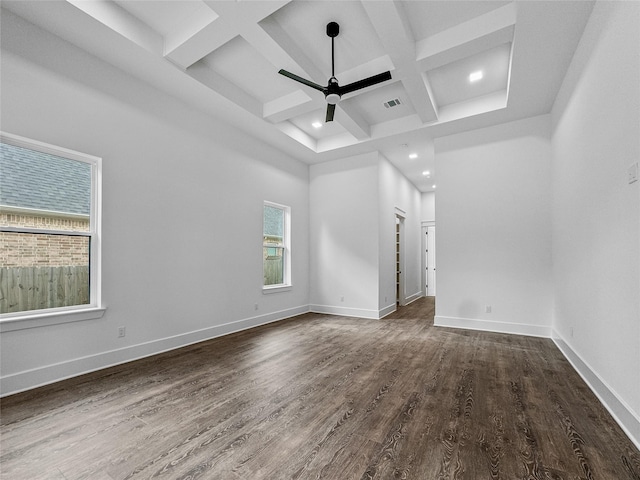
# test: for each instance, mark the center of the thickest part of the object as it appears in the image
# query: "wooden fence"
(33, 288)
(272, 270)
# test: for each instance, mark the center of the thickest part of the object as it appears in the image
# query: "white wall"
(596, 221)
(344, 236)
(353, 205)
(397, 194)
(494, 221)
(182, 211)
(428, 207)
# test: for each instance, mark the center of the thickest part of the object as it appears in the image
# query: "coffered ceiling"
(223, 57)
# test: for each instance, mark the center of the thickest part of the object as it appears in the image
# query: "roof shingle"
(31, 179)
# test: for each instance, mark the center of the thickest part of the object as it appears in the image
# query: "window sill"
(276, 289)
(45, 319)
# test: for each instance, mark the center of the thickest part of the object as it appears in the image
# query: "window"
(275, 247)
(49, 230)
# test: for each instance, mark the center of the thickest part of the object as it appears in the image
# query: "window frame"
(94, 309)
(286, 284)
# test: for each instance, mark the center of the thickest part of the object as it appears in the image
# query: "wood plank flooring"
(324, 397)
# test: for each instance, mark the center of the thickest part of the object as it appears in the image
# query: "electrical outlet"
(255, 306)
(342, 299)
(487, 309)
(122, 331)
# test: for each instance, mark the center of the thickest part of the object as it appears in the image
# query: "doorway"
(400, 297)
(429, 244)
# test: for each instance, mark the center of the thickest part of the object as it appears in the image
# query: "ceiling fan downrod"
(333, 29)
(333, 89)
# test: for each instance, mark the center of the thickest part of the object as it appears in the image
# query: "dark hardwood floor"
(326, 397)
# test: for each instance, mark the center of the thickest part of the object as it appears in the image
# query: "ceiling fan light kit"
(333, 91)
(333, 98)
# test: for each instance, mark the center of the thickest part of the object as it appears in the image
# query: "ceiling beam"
(289, 106)
(200, 43)
(228, 20)
(469, 38)
(224, 87)
(352, 121)
(122, 22)
(390, 22)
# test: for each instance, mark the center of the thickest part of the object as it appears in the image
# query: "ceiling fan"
(333, 92)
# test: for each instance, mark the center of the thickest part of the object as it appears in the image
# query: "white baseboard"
(345, 311)
(37, 377)
(619, 410)
(413, 298)
(354, 312)
(493, 326)
(387, 310)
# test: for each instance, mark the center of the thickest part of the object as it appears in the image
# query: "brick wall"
(45, 222)
(35, 250)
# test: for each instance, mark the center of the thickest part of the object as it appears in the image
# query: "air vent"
(392, 103)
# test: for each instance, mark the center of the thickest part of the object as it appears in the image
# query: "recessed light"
(316, 124)
(426, 172)
(433, 186)
(413, 155)
(475, 76)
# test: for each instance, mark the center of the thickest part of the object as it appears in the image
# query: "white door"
(430, 262)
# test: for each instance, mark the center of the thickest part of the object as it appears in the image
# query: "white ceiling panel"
(306, 124)
(371, 104)
(240, 63)
(451, 83)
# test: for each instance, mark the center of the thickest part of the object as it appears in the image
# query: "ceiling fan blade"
(331, 108)
(308, 83)
(367, 82)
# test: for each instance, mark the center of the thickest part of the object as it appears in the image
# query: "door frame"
(424, 226)
(400, 217)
